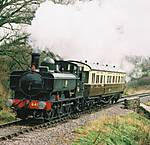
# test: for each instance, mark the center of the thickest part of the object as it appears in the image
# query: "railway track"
(132, 96)
(10, 123)
(15, 128)
(137, 95)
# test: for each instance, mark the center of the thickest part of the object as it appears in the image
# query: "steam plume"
(104, 30)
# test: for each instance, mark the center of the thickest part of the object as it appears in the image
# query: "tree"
(17, 11)
(15, 15)
(141, 66)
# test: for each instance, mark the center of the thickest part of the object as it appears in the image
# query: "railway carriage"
(102, 83)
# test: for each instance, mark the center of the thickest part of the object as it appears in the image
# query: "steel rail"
(10, 123)
(135, 95)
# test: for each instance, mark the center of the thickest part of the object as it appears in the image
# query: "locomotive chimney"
(35, 60)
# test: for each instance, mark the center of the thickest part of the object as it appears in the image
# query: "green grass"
(5, 113)
(148, 103)
(136, 90)
(6, 116)
(132, 129)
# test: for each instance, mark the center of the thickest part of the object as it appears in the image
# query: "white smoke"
(102, 31)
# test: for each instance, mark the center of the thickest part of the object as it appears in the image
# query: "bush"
(145, 81)
(6, 116)
(3, 96)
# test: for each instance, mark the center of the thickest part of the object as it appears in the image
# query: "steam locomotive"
(59, 88)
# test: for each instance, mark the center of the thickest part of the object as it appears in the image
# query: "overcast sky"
(104, 30)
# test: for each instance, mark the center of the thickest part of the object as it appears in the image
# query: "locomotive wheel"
(68, 109)
(60, 111)
(112, 100)
(50, 115)
(82, 104)
(76, 106)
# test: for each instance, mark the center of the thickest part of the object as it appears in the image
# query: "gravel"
(62, 134)
(145, 99)
(10, 129)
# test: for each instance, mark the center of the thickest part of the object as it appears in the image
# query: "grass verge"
(131, 129)
(6, 116)
(137, 90)
(148, 103)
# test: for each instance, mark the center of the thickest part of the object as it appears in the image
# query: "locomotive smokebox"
(35, 60)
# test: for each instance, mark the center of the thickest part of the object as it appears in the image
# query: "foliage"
(143, 112)
(148, 103)
(132, 129)
(15, 15)
(3, 95)
(6, 116)
(17, 11)
(141, 66)
(145, 81)
(12, 58)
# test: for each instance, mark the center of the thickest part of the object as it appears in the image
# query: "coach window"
(110, 81)
(119, 79)
(122, 79)
(113, 79)
(93, 77)
(104, 80)
(101, 79)
(107, 79)
(116, 79)
(97, 79)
